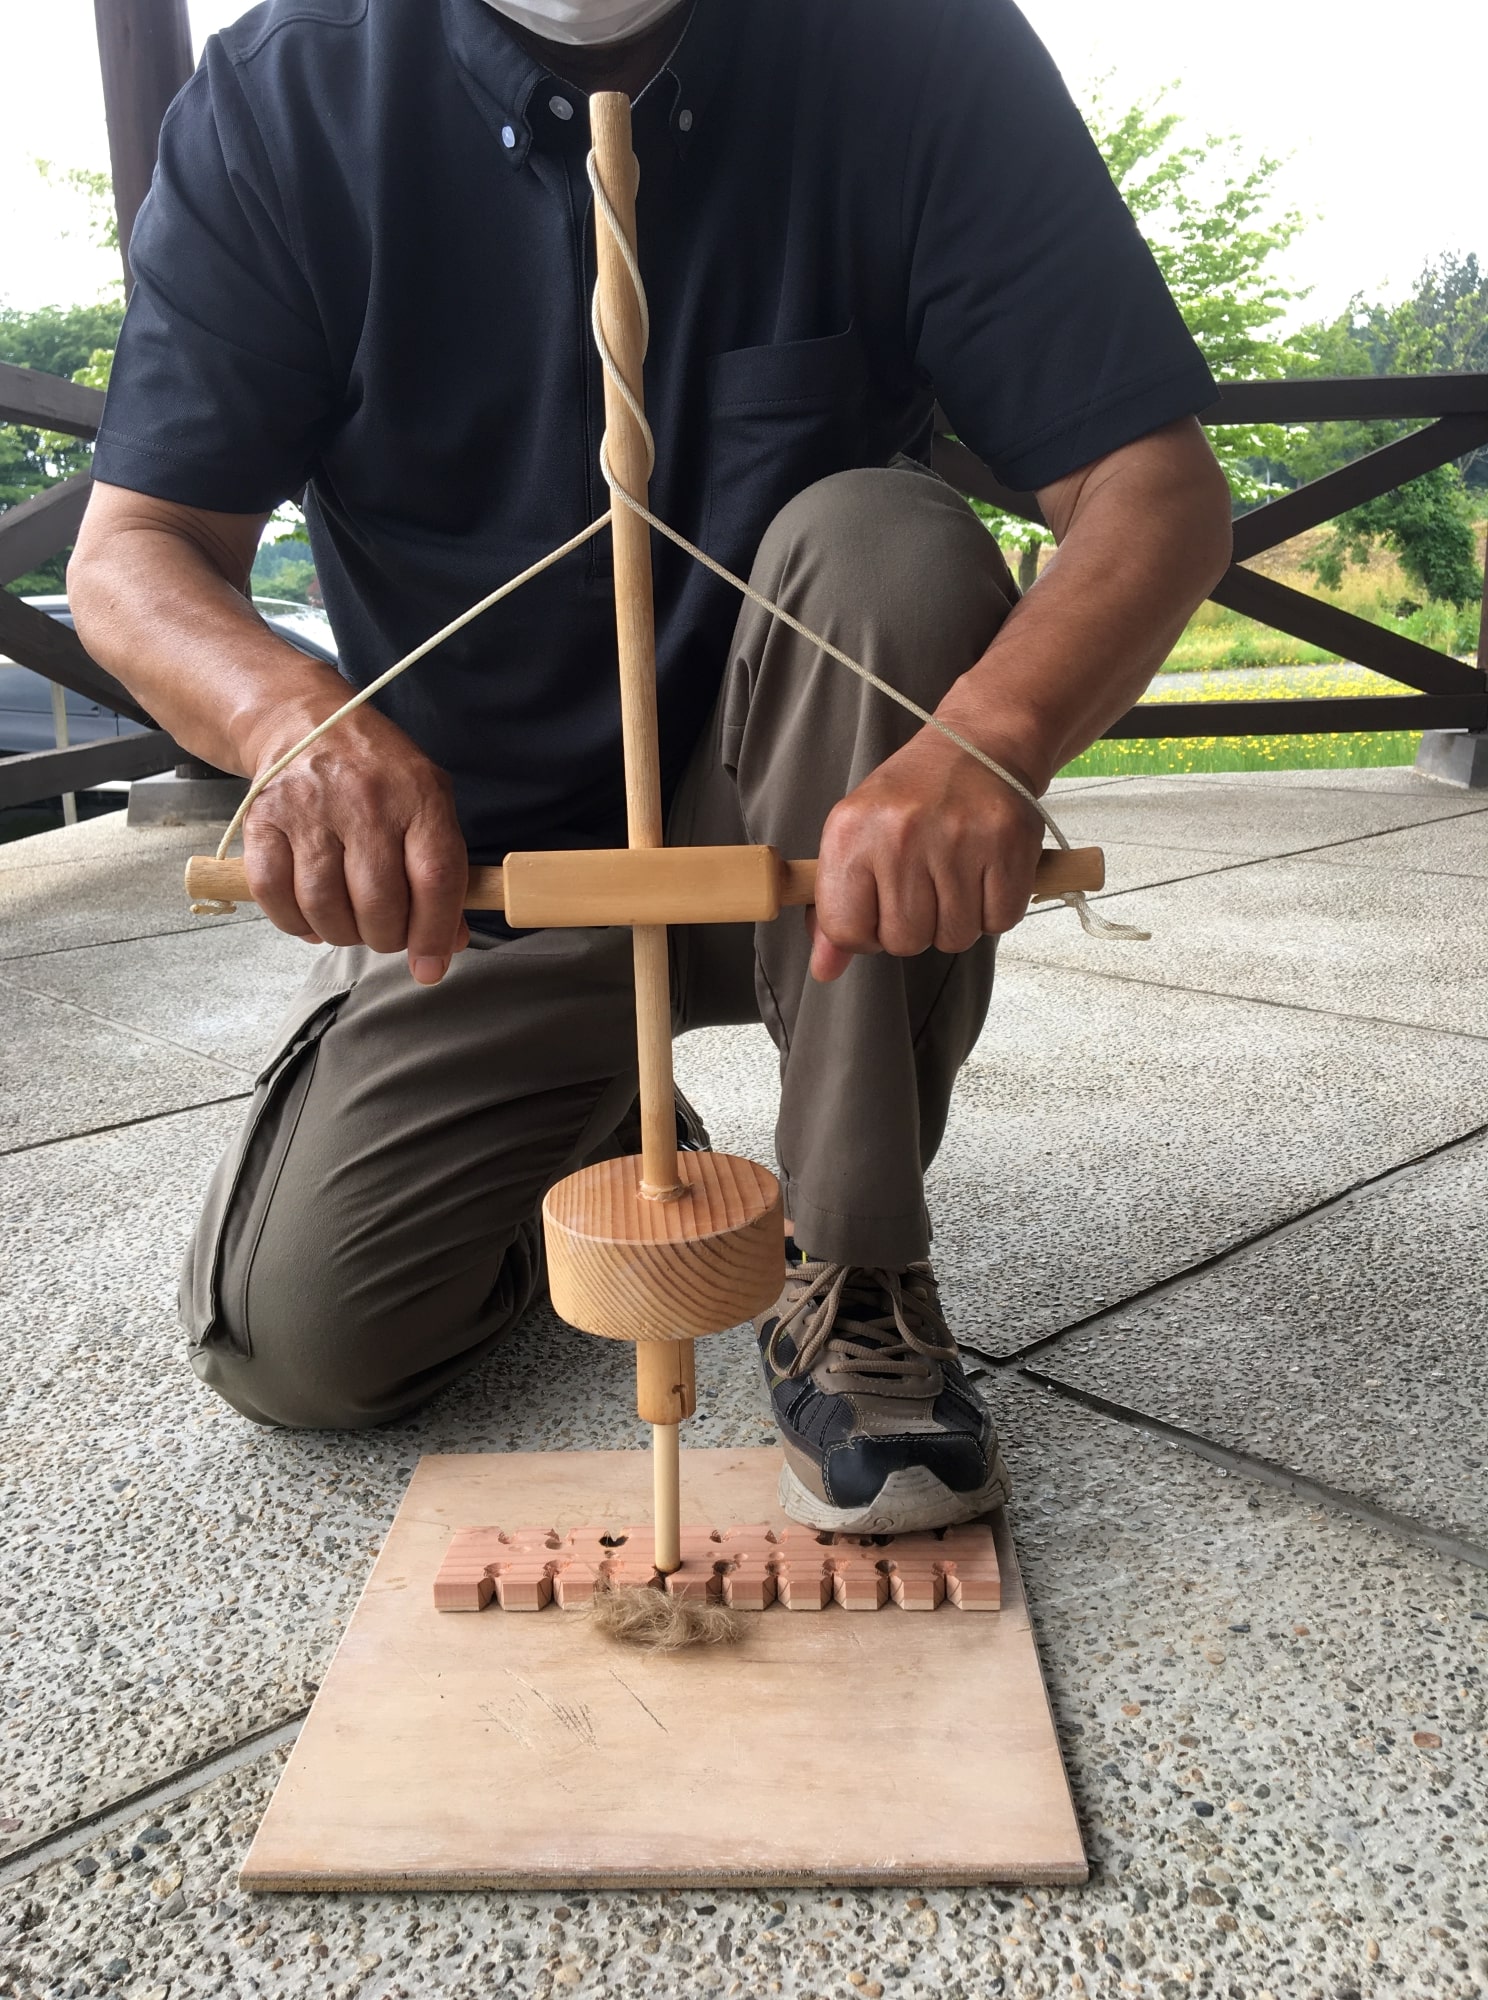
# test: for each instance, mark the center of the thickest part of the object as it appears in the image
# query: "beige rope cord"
(1094, 924)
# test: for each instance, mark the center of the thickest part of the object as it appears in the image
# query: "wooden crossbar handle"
(657, 885)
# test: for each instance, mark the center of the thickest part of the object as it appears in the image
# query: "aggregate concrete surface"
(1274, 1721)
(1231, 815)
(68, 887)
(1106, 1134)
(1349, 1348)
(216, 995)
(1273, 1712)
(65, 1069)
(1361, 942)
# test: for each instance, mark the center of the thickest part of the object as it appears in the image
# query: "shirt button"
(684, 121)
(560, 108)
(508, 137)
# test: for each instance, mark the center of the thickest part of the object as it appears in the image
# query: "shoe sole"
(909, 1502)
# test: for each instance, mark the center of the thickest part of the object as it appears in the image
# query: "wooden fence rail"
(1448, 694)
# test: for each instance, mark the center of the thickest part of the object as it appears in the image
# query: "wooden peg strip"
(752, 1568)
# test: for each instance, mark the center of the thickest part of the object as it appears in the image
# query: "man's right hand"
(357, 842)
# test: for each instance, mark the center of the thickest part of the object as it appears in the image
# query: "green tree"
(284, 568)
(72, 341)
(1429, 525)
(1441, 328)
(76, 342)
(1210, 214)
(94, 188)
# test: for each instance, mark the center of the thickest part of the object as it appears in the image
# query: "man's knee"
(897, 544)
(274, 1398)
(318, 1345)
(314, 1370)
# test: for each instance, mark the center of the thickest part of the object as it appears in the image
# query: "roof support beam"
(144, 51)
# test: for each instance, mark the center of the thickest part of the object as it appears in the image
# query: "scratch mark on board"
(637, 1699)
(577, 1721)
(493, 1714)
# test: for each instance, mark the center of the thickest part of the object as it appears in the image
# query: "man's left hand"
(932, 849)
(929, 851)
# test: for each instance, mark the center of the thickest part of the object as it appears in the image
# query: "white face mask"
(585, 23)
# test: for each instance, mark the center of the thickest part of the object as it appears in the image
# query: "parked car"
(26, 697)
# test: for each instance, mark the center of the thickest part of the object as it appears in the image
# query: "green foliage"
(1428, 524)
(1019, 540)
(283, 568)
(1209, 214)
(76, 342)
(59, 339)
(287, 524)
(96, 190)
(1217, 638)
(294, 581)
(1441, 328)
(55, 447)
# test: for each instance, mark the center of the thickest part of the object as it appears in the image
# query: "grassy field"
(1219, 642)
(1381, 593)
(1170, 756)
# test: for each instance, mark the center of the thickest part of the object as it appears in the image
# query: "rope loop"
(1091, 921)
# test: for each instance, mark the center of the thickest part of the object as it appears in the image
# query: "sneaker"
(692, 1133)
(882, 1432)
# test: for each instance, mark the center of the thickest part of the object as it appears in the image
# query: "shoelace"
(881, 1344)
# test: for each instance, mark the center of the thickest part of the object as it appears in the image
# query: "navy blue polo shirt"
(364, 269)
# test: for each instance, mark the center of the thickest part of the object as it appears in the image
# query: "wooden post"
(144, 52)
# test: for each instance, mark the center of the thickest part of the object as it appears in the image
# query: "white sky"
(1379, 114)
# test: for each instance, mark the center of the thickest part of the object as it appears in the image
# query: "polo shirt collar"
(502, 78)
(697, 64)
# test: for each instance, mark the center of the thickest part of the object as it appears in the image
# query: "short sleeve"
(1035, 307)
(221, 388)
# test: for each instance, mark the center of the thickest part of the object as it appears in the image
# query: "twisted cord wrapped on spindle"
(1094, 924)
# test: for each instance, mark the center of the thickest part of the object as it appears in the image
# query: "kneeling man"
(362, 276)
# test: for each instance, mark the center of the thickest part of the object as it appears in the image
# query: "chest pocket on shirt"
(779, 418)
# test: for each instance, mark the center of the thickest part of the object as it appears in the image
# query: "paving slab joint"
(193, 1777)
(1267, 1472)
(1191, 1273)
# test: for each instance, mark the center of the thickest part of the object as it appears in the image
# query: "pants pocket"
(214, 1281)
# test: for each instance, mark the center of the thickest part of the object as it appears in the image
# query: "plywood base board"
(509, 1752)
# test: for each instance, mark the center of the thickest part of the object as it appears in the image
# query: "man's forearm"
(163, 606)
(1143, 539)
(357, 841)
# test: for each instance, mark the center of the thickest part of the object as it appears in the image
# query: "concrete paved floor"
(1209, 1208)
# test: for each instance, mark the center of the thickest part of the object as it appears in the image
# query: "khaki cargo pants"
(374, 1228)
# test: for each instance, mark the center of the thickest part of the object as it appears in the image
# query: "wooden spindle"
(635, 626)
(620, 320)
